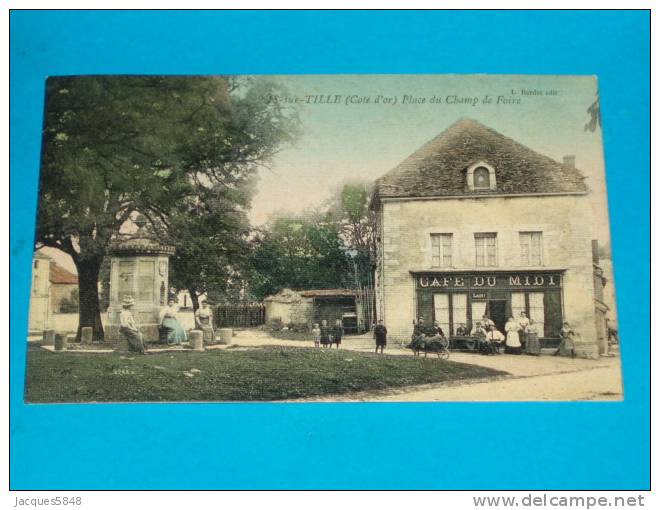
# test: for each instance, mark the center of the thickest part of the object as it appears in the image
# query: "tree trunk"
(89, 312)
(194, 298)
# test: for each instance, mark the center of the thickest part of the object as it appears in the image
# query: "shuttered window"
(486, 249)
(441, 249)
(531, 248)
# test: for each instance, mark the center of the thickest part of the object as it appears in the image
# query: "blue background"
(584, 445)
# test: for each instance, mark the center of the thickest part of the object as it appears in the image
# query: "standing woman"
(523, 322)
(533, 345)
(175, 332)
(512, 337)
(325, 334)
(204, 321)
(567, 345)
(337, 333)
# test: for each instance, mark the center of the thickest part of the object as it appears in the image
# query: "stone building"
(51, 285)
(474, 222)
(313, 306)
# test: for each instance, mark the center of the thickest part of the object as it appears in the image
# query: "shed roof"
(328, 293)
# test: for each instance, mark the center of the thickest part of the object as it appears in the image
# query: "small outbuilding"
(315, 305)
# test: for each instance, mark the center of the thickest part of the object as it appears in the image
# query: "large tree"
(211, 235)
(113, 146)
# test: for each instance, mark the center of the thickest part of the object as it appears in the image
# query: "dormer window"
(481, 177)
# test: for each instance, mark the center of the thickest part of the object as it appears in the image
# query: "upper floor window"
(486, 249)
(441, 250)
(531, 248)
(481, 176)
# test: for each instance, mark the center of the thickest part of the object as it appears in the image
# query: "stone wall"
(564, 220)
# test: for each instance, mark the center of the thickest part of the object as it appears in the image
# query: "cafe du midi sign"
(485, 281)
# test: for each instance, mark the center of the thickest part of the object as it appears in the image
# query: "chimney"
(594, 251)
(569, 161)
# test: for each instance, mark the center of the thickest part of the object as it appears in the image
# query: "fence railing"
(239, 315)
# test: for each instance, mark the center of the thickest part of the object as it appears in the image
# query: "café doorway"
(496, 310)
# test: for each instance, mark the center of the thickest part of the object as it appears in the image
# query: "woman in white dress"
(513, 345)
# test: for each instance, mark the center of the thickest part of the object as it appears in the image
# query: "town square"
(193, 244)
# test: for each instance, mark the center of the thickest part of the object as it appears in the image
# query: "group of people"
(521, 336)
(170, 328)
(326, 336)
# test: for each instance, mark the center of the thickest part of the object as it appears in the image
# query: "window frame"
(441, 255)
(485, 235)
(474, 179)
(528, 261)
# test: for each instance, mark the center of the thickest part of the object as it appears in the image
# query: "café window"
(441, 250)
(486, 249)
(459, 309)
(531, 248)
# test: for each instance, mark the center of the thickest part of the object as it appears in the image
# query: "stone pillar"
(196, 338)
(48, 337)
(86, 336)
(225, 336)
(60, 342)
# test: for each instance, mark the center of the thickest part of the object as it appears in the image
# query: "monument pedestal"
(139, 268)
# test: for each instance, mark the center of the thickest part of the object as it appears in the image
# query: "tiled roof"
(327, 293)
(60, 275)
(439, 167)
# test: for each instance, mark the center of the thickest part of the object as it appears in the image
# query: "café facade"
(474, 223)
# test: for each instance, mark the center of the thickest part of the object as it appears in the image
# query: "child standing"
(316, 334)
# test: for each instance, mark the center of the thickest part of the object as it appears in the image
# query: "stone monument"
(139, 268)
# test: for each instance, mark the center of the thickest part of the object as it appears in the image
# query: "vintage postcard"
(322, 238)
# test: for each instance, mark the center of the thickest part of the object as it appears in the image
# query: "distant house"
(54, 290)
(314, 306)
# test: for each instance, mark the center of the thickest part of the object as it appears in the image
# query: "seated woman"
(167, 320)
(204, 321)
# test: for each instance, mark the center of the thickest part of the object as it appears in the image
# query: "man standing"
(380, 334)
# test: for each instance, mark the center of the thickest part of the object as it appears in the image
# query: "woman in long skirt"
(567, 345)
(513, 345)
(325, 334)
(533, 345)
(204, 321)
(168, 321)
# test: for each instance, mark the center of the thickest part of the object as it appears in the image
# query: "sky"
(365, 140)
(362, 126)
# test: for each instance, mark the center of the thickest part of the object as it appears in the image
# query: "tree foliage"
(300, 252)
(113, 146)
